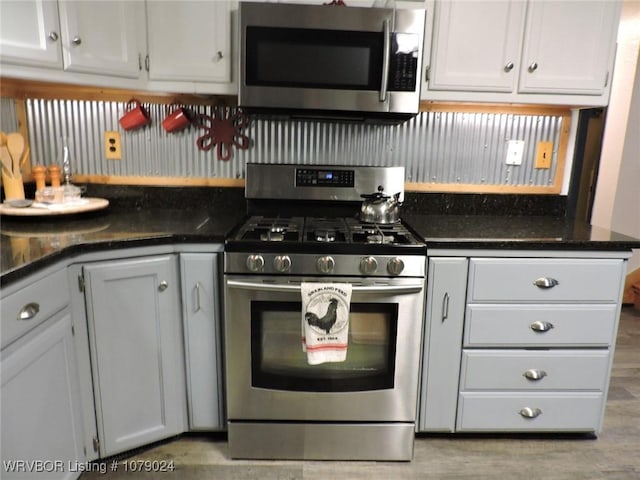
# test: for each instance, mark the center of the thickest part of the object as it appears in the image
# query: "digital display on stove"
(311, 177)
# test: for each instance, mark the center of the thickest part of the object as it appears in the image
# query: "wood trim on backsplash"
(20, 90)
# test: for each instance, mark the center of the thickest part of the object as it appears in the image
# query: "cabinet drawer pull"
(29, 311)
(445, 307)
(528, 412)
(197, 297)
(163, 285)
(534, 374)
(546, 282)
(540, 326)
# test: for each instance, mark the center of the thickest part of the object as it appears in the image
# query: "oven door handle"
(274, 287)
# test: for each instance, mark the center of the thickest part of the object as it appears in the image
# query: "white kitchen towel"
(325, 321)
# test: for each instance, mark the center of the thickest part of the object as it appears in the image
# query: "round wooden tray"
(88, 205)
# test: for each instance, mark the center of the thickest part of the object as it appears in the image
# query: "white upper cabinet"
(189, 41)
(73, 38)
(102, 37)
(30, 33)
(476, 45)
(535, 51)
(562, 56)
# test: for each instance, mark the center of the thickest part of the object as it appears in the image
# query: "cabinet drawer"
(534, 370)
(568, 280)
(552, 412)
(540, 325)
(36, 302)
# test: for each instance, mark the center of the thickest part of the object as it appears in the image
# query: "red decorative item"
(223, 129)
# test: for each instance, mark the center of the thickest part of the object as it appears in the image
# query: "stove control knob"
(368, 265)
(395, 266)
(255, 263)
(325, 264)
(282, 263)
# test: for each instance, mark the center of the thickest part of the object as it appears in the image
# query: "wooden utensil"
(5, 157)
(3, 138)
(15, 144)
(25, 154)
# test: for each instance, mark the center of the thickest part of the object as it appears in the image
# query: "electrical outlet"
(112, 145)
(544, 154)
(515, 151)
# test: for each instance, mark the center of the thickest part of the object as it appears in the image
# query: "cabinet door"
(446, 295)
(189, 41)
(30, 33)
(201, 314)
(569, 47)
(476, 45)
(103, 36)
(41, 419)
(136, 349)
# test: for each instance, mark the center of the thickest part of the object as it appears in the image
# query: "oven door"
(268, 377)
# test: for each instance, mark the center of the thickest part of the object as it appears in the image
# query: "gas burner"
(276, 229)
(377, 238)
(272, 236)
(325, 236)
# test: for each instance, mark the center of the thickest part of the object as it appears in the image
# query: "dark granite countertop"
(527, 232)
(146, 216)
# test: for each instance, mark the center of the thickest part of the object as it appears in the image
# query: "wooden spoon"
(15, 144)
(5, 157)
(25, 154)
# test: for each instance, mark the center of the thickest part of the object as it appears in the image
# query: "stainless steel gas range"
(323, 318)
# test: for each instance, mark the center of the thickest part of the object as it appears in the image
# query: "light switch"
(515, 151)
(544, 154)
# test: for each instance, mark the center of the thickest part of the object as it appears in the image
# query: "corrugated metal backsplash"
(434, 147)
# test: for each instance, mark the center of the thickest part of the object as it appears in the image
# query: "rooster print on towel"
(325, 321)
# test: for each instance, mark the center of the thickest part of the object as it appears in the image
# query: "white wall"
(617, 199)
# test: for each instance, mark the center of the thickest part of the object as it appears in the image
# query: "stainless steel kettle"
(380, 208)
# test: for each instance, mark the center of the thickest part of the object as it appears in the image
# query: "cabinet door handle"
(528, 412)
(29, 311)
(540, 326)
(534, 374)
(546, 282)
(197, 297)
(76, 40)
(508, 67)
(533, 67)
(53, 36)
(445, 306)
(163, 285)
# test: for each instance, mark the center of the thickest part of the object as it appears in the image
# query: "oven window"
(278, 362)
(307, 58)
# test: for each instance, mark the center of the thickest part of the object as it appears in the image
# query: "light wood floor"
(615, 454)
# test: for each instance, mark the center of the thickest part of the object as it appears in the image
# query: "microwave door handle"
(273, 287)
(386, 57)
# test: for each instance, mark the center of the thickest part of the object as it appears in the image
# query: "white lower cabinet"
(41, 421)
(201, 317)
(135, 338)
(538, 343)
(534, 347)
(446, 283)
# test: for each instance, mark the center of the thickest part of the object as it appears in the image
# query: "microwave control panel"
(403, 64)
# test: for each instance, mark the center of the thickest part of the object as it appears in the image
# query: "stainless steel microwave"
(330, 60)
